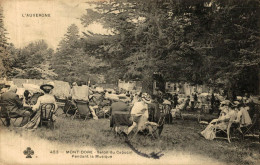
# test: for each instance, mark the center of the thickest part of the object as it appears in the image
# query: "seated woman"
(227, 114)
(46, 98)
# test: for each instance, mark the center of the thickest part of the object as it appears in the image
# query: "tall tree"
(33, 61)
(71, 62)
(5, 62)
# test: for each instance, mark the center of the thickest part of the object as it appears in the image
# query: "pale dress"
(34, 122)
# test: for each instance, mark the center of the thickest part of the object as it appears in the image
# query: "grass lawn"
(181, 136)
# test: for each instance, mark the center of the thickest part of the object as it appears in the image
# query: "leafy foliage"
(203, 42)
(71, 62)
(5, 61)
(211, 42)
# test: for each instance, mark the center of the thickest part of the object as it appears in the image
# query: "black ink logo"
(28, 152)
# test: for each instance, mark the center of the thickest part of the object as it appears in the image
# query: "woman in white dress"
(46, 98)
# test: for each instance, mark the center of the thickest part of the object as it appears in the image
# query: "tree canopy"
(210, 42)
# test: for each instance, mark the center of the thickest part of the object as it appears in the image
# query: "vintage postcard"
(129, 82)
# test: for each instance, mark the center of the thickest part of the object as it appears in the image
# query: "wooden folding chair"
(60, 102)
(69, 108)
(228, 131)
(166, 110)
(250, 129)
(47, 111)
(83, 109)
(155, 129)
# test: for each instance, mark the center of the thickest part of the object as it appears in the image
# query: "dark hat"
(49, 85)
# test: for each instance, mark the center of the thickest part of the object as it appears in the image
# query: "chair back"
(47, 110)
(83, 107)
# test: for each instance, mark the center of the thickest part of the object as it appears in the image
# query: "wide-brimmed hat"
(49, 85)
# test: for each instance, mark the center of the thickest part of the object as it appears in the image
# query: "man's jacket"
(11, 101)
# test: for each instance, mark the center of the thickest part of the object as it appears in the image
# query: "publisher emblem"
(28, 152)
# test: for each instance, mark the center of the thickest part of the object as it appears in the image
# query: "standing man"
(14, 106)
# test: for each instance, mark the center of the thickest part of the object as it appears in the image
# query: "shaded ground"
(181, 136)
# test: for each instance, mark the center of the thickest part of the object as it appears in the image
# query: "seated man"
(139, 113)
(119, 111)
(14, 106)
(82, 93)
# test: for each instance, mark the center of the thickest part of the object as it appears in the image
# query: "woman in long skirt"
(46, 98)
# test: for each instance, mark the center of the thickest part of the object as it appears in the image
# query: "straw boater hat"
(49, 85)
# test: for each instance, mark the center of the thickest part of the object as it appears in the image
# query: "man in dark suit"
(14, 106)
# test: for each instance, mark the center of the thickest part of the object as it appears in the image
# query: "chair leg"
(228, 134)
(66, 113)
(52, 125)
(74, 115)
(5, 124)
(15, 121)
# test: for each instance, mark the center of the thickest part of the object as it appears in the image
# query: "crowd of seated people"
(23, 108)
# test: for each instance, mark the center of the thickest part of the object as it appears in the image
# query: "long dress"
(220, 123)
(34, 122)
